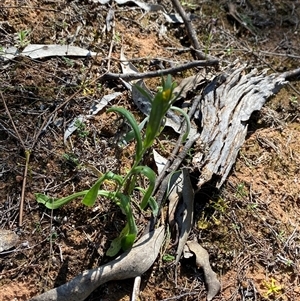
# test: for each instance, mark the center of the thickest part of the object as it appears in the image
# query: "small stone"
(8, 239)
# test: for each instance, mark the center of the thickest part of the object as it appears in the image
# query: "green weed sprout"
(22, 38)
(161, 103)
(272, 288)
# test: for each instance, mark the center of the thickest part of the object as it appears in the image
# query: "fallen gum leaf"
(202, 261)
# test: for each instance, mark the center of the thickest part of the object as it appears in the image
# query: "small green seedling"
(70, 159)
(272, 288)
(81, 129)
(125, 185)
(69, 62)
(293, 100)
(241, 190)
(168, 258)
(188, 4)
(22, 38)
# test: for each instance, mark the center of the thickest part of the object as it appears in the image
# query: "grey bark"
(227, 105)
(130, 264)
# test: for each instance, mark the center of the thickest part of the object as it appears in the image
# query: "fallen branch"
(173, 167)
(151, 74)
(167, 168)
(227, 105)
(190, 30)
(291, 75)
(130, 264)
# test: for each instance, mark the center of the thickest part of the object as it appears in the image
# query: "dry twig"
(190, 30)
(150, 74)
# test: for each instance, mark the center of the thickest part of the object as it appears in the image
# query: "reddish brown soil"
(250, 227)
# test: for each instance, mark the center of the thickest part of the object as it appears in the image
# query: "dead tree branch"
(130, 264)
(151, 74)
(190, 30)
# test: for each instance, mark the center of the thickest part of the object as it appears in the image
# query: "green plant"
(188, 4)
(241, 190)
(22, 38)
(208, 43)
(293, 100)
(212, 214)
(86, 86)
(81, 129)
(220, 205)
(168, 258)
(125, 185)
(70, 159)
(272, 287)
(117, 37)
(53, 236)
(69, 62)
(252, 206)
(229, 50)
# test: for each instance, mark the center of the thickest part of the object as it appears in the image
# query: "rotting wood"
(226, 107)
(130, 264)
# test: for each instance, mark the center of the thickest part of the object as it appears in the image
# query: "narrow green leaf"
(51, 203)
(125, 205)
(116, 244)
(144, 93)
(152, 202)
(168, 257)
(187, 119)
(129, 136)
(90, 198)
(153, 205)
(127, 241)
(137, 135)
(91, 195)
(111, 176)
(150, 174)
(43, 199)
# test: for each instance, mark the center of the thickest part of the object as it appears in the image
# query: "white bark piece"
(130, 264)
(73, 127)
(160, 161)
(181, 213)
(104, 101)
(37, 51)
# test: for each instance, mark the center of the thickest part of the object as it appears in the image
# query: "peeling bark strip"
(132, 263)
(185, 219)
(202, 261)
(227, 104)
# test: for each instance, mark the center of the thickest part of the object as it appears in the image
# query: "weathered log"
(227, 105)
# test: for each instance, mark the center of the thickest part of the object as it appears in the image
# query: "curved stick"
(132, 263)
